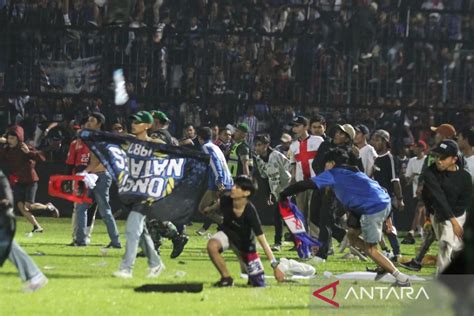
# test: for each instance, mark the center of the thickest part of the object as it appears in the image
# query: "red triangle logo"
(318, 292)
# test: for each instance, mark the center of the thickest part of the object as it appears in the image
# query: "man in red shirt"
(21, 159)
(77, 160)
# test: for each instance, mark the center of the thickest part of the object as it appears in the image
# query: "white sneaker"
(155, 272)
(121, 96)
(123, 274)
(35, 283)
(316, 260)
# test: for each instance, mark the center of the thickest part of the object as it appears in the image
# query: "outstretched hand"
(279, 276)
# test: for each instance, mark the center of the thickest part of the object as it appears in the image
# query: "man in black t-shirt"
(240, 226)
(386, 175)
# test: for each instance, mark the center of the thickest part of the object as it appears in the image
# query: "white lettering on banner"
(294, 224)
(157, 167)
(152, 187)
(385, 293)
(144, 173)
(118, 155)
(175, 168)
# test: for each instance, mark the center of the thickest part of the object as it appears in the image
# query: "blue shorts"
(371, 225)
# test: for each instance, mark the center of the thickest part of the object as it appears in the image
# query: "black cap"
(299, 120)
(448, 148)
(362, 129)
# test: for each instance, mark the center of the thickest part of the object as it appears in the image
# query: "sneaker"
(411, 265)
(316, 260)
(408, 240)
(115, 246)
(37, 229)
(395, 258)
(201, 231)
(141, 254)
(35, 283)
(224, 282)
(276, 247)
(379, 273)
(123, 274)
(178, 245)
(401, 283)
(156, 271)
(77, 244)
(54, 210)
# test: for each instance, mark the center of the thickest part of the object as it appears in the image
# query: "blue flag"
(162, 181)
(305, 244)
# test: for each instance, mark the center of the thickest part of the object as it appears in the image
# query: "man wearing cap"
(414, 168)
(302, 153)
(363, 197)
(275, 167)
(100, 191)
(447, 193)
(443, 132)
(324, 205)
(386, 175)
(159, 129)
(367, 152)
(284, 146)
(136, 231)
(240, 161)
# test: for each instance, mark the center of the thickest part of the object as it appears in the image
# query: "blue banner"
(162, 181)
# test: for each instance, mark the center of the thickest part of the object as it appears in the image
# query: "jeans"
(101, 197)
(25, 265)
(137, 234)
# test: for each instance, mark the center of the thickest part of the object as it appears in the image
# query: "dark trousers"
(325, 208)
(278, 222)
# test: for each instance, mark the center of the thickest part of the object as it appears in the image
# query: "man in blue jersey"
(220, 179)
(365, 200)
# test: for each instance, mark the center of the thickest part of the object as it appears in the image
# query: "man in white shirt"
(367, 152)
(302, 153)
(465, 141)
(414, 168)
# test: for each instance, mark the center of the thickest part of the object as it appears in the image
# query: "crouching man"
(366, 200)
(240, 226)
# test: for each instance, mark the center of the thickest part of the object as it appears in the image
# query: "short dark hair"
(187, 125)
(338, 155)
(246, 184)
(205, 133)
(468, 133)
(223, 129)
(318, 118)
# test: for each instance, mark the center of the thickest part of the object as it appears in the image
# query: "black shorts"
(25, 193)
